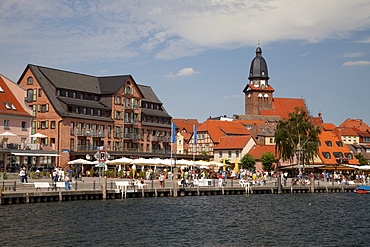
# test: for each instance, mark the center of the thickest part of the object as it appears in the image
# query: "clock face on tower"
(255, 83)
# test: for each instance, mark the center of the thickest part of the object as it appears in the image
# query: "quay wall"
(32, 196)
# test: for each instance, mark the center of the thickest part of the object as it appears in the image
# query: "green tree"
(267, 159)
(361, 159)
(248, 162)
(297, 136)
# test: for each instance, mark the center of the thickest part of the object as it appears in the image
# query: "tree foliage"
(248, 162)
(267, 159)
(361, 159)
(297, 136)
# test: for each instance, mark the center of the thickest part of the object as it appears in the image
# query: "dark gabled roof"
(149, 95)
(157, 113)
(83, 103)
(69, 80)
(111, 84)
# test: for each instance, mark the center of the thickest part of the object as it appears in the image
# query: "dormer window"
(326, 155)
(1, 90)
(339, 144)
(328, 143)
(7, 105)
(13, 107)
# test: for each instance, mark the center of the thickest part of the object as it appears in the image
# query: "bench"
(40, 185)
(122, 185)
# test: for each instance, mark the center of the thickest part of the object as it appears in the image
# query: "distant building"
(81, 114)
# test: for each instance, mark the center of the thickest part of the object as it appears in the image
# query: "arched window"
(29, 80)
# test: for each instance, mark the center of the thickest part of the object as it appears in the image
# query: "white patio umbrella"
(184, 162)
(201, 163)
(81, 161)
(7, 134)
(120, 161)
(38, 135)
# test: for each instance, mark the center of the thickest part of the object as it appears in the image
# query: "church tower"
(258, 92)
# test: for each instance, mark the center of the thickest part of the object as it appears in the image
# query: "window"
(44, 124)
(40, 92)
(328, 143)
(29, 81)
(52, 124)
(99, 112)
(58, 92)
(91, 111)
(366, 139)
(237, 154)
(338, 154)
(7, 105)
(117, 100)
(318, 143)
(24, 125)
(339, 143)
(74, 95)
(326, 155)
(220, 154)
(6, 124)
(67, 93)
(45, 108)
(1, 90)
(29, 95)
(348, 156)
(77, 110)
(84, 110)
(367, 150)
(229, 154)
(358, 150)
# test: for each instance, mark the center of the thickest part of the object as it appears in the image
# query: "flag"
(173, 132)
(195, 134)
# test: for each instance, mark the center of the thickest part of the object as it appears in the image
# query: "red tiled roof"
(269, 88)
(328, 126)
(283, 106)
(326, 136)
(346, 132)
(8, 97)
(355, 123)
(250, 122)
(186, 124)
(233, 142)
(261, 149)
(363, 133)
(217, 129)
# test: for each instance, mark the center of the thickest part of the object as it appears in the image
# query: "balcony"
(131, 121)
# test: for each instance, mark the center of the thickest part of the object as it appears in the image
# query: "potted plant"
(120, 174)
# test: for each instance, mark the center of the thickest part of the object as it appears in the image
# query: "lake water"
(321, 219)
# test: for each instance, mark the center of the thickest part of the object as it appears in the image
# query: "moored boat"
(362, 189)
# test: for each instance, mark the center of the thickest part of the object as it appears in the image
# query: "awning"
(34, 154)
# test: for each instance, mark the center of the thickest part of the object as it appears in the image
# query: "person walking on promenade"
(25, 175)
(67, 182)
(22, 175)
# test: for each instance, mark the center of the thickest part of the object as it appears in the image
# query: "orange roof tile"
(283, 106)
(355, 123)
(329, 136)
(186, 124)
(233, 142)
(6, 96)
(261, 149)
(328, 126)
(269, 88)
(217, 129)
(346, 132)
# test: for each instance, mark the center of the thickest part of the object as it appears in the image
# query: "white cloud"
(186, 72)
(356, 63)
(103, 71)
(116, 30)
(353, 54)
(233, 96)
(182, 72)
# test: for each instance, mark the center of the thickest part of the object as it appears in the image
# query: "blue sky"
(196, 54)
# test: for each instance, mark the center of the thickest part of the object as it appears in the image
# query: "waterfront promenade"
(93, 188)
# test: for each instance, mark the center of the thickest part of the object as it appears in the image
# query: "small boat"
(362, 189)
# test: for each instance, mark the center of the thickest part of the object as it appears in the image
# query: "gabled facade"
(185, 130)
(81, 114)
(233, 148)
(210, 132)
(356, 124)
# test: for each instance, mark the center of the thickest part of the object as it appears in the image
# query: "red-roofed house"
(184, 131)
(233, 148)
(210, 132)
(16, 119)
(354, 123)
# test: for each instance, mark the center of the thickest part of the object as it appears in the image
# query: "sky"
(196, 54)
